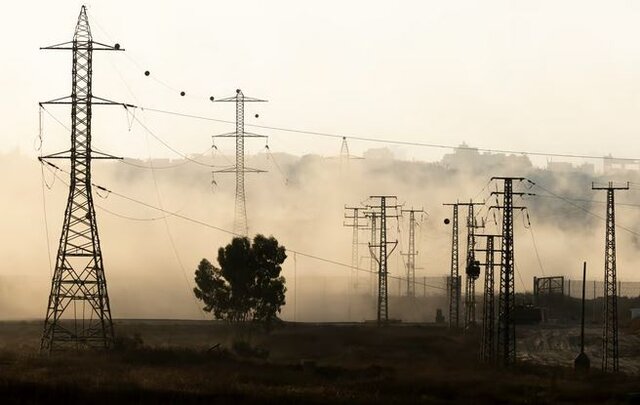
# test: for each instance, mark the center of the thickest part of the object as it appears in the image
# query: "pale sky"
(549, 76)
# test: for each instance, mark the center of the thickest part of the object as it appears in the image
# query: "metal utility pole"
(354, 214)
(610, 332)
(412, 253)
(383, 254)
(488, 349)
(506, 351)
(240, 224)
(582, 363)
(78, 312)
(373, 264)
(472, 269)
(454, 278)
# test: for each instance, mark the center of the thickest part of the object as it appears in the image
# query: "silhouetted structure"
(610, 331)
(454, 278)
(506, 350)
(79, 286)
(582, 363)
(240, 224)
(355, 214)
(472, 269)
(488, 349)
(383, 254)
(412, 252)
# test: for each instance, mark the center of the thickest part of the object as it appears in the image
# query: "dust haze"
(150, 257)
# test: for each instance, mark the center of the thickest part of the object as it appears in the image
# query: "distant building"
(565, 167)
(613, 165)
(465, 157)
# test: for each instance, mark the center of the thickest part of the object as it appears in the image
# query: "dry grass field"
(162, 361)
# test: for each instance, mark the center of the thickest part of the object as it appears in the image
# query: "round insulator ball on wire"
(446, 221)
(211, 98)
(147, 73)
(257, 115)
(117, 46)
(182, 93)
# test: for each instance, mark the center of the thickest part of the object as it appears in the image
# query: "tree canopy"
(248, 284)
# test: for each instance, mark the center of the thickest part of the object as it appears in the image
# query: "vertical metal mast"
(373, 264)
(356, 215)
(383, 255)
(454, 278)
(240, 224)
(79, 286)
(610, 352)
(412, 253)
(507, 299)
(487, 352)
(472, 270)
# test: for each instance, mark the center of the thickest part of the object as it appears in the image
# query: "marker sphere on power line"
(147, 73)
(117, 46)
(182, 93)
(257, 115)
(446, 221)
(211, 98)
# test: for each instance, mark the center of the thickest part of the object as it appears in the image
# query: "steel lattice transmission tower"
(354, 214)
(488, 349)
(78, 311)
(240, 224)
(472, 269)
(610, 332)
(412, 252)
(454, 277)
(382, 214)
(506, 349)
(373, 264)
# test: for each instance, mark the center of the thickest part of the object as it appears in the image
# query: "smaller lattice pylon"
(240, 223)
(381, 211)
(412, 253)
(488, 345)
(610, 349)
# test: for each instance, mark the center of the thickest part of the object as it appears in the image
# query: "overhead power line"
(394, 141)
(217, 228)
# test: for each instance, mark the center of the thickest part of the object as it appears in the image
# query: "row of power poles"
(374, 216)
(498, 344)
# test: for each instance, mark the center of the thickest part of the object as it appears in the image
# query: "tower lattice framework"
(412, 252)
(610, 350)
(488, 348)
(454, 277)
(78, 310)
(506, 348)
(382, 214)
(240, 223)
(472, 270)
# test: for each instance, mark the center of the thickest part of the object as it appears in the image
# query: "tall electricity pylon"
(472, 269)
(383, 253)
(488, 349)
(353, 217)
(240, 224)
(454, 277)
(412, 252)
(78, 311)
(610, 332)
(506, 350)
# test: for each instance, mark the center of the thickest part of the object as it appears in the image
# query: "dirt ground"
(163, 361)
